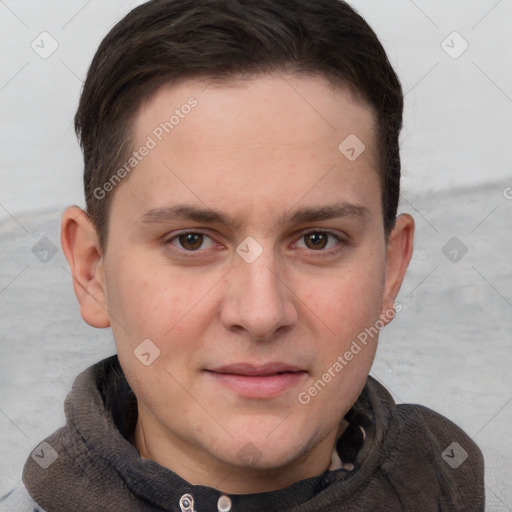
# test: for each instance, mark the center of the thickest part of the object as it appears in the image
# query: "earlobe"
(399, 253)
(80, 245)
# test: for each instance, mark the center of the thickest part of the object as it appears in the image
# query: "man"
(241, 172)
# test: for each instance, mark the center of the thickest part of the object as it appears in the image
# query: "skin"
(255, 150)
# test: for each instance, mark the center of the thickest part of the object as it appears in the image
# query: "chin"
(271, 441)
(254, 459)
(263, 453)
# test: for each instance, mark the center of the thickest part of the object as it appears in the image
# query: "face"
(250, 250)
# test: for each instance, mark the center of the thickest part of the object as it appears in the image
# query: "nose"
(258, 299)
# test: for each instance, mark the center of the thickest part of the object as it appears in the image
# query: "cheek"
(346, 300)
(152, 303)
(350, 306)
(149, 298)
(346, 308)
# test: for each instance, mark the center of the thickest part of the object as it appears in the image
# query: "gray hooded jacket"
(389, 458)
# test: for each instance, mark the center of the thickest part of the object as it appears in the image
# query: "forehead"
(254, 110)
(271, 138)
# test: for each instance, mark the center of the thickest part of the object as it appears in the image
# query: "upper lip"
(257, 369)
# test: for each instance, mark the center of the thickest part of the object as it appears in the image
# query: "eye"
(320, 240)
(191, 241)
(324, 242)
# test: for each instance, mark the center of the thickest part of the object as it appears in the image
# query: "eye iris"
(191, 240)
(319, 240)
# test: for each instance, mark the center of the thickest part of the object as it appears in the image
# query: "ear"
(399, 252)
(80, 244)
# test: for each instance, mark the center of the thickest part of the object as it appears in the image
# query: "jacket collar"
(101, 412)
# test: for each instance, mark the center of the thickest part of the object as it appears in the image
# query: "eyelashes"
(190, 237)
(195, 243)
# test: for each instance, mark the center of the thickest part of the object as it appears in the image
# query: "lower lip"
(263, 386)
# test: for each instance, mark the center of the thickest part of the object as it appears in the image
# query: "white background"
(449, 349)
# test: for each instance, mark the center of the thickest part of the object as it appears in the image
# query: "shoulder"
(429, 443)
(445, 433)
(19, 500)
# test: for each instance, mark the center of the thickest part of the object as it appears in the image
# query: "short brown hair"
(163, 41)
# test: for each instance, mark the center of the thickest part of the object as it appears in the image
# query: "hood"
(97, 468)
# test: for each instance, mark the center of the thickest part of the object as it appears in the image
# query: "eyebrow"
(209, 216)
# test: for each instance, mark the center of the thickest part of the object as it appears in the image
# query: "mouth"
(258, 381)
